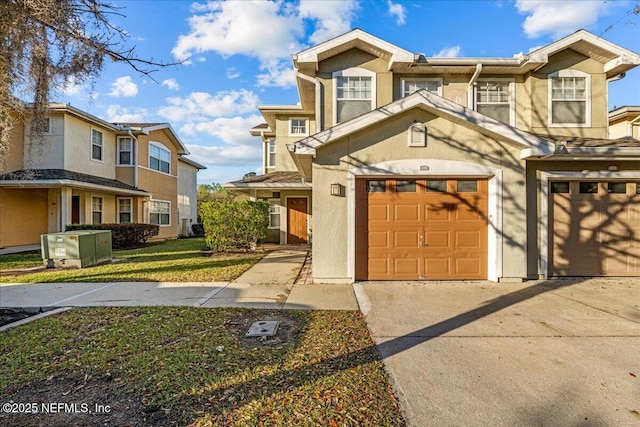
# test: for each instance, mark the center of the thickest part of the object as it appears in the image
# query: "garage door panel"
(437, 267)
(437, 239)
(422, 234)
(595, 234)
(409, 212)
(406, 266)
(378, 213)
(379, 239)
(406, 239)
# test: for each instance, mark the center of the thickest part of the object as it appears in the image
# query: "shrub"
(232, 225)
(197, 230)
(123, 236)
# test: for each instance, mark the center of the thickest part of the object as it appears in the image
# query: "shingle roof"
(273, 178)
(61, 174)
(574, 142)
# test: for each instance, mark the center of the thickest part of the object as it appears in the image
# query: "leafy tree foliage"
(46, 44)
(233, 225)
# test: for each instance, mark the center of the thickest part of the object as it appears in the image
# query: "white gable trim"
(440, 168)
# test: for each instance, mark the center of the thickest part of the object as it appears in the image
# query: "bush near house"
(123, 236)
(233, 225)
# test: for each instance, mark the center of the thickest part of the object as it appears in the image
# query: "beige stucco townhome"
(85, 170)
(397, 166)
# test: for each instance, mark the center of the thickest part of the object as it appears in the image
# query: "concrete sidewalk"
(270, 284)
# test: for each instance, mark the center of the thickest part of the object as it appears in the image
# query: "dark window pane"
(406, 186)
(154, 218)
(617, 187)
(376, 186)
(154, 163)
(164, 167)
(560, 187)
(637, 187)
(437, 186)
(588, 188)
(468, 186)
(96, 153)
(96, 218)
(125, 217)
(125, 158)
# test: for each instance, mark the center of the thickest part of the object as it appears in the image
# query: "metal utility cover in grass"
(263, 328)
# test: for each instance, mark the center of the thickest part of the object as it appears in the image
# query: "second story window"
(569, 98)
(298, 127)
(96, 144)
(354, 92)
(271, 153)
(410, 86)
(159, 158)
(125, 148)
(493, 99)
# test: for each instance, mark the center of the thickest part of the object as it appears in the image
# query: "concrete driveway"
(544, 353)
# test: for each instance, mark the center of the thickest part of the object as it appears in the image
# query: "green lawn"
(173, 261)
(193, 366)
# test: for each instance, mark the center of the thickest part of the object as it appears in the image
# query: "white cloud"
(231, 130)
(397, 10)
(226, 155)
(448, 52)
(171, 84)
(232, 73)
(267, 30)
(119, 114)
(261, 29)
(559, 17)
(71, 87)
(123, 86)
(331, 18)
(198, 106)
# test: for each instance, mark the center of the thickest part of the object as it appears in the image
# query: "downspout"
(472, 82)
(135, 158)
(612, 79)
(318, 100)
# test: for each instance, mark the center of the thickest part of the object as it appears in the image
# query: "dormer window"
(298, 127)
(569, 98)
(354, 92)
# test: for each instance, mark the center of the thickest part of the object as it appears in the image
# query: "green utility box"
(76, 249)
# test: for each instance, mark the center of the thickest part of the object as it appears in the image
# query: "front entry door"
(75, 209)
(297, 220)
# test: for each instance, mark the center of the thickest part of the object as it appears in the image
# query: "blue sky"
(237, 55)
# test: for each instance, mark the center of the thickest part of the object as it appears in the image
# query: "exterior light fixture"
(336, 189)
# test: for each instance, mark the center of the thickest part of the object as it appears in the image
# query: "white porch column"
(65, 207)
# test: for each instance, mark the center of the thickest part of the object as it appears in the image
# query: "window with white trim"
(274, 213)
(96, 144)
(159, 212)
(298, 127)
(570, 98)
(410, 86)
(96, 210)
(125, 151)
(494, 99)
(354, 93)
(159, 158)
(271, 153)
(125, 210)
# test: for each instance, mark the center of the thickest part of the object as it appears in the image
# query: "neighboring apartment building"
(409, 167)
(624, 122)
(85, 170)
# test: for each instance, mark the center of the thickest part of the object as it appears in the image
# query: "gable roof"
(146, 128)
(530, 144)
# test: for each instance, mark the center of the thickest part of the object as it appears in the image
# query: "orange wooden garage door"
(594, 228)
(412, 229)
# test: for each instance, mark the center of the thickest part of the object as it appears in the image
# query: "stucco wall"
(47, 153)
(77, 154)
(284, 161)
(23, 216)
(187, 195)
(12, 158)
(388, 141)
